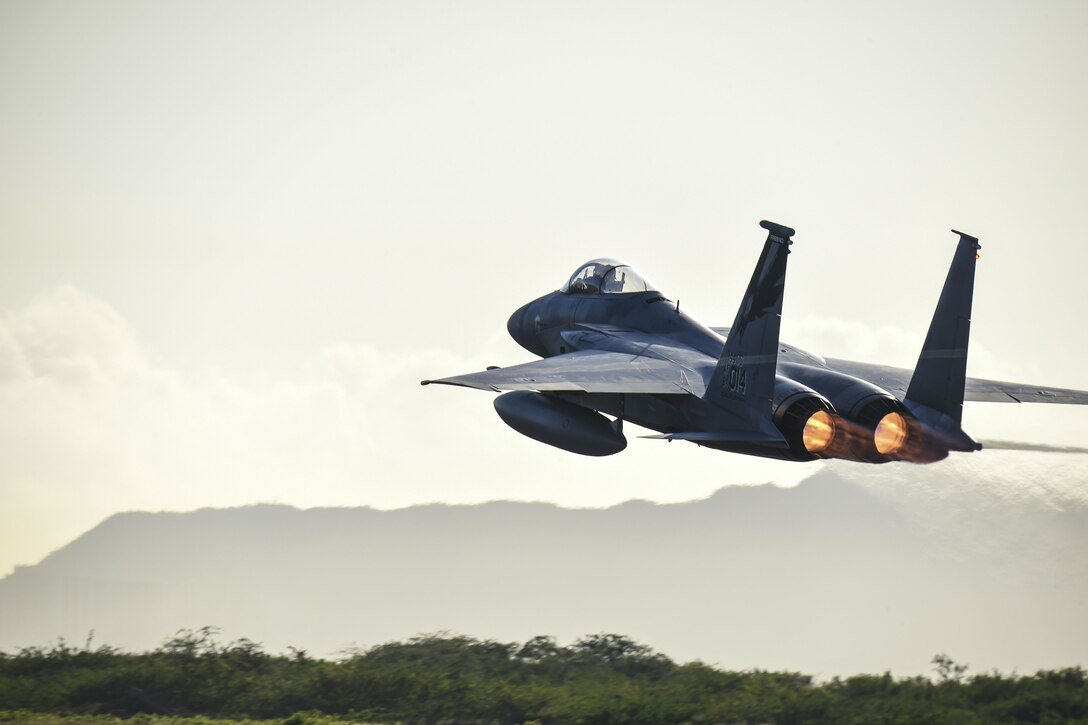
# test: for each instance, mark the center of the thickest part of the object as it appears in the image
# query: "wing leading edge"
(590, 371)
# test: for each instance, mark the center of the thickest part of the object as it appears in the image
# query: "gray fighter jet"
(613, 344)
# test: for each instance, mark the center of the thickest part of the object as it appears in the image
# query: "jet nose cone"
(516, 323)
(522, 327)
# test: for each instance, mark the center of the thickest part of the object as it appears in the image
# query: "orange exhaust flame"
(891, 434)
(819, 432)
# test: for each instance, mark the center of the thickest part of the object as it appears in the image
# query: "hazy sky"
(234, 236)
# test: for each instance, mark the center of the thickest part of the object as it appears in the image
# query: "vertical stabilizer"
(743, 380)
(941, 372)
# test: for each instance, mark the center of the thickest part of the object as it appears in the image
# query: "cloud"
(68, 337)
(835, 337)
(84, 387)
(92, 425)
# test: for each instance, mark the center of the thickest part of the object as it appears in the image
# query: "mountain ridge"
(834, 575)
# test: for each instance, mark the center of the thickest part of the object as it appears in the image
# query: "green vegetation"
(21, 717)
(608, 679)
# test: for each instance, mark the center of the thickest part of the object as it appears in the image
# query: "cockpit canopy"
(606, 276)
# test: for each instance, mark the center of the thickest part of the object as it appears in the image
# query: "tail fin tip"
(967, 237)
(778, 230)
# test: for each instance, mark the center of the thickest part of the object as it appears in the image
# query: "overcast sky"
(234, 236)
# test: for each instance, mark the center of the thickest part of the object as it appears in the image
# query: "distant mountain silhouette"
(831, 577)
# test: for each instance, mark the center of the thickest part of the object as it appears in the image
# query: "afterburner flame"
(819, 432)
(890, 434)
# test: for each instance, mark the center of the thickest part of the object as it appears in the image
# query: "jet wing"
(590, 371)
(896, 380)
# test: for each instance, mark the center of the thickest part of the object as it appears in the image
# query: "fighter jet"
(615, 349)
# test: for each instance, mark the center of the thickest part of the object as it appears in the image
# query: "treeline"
(603, 678)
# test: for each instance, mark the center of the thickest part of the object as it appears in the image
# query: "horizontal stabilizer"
(1035, 447)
